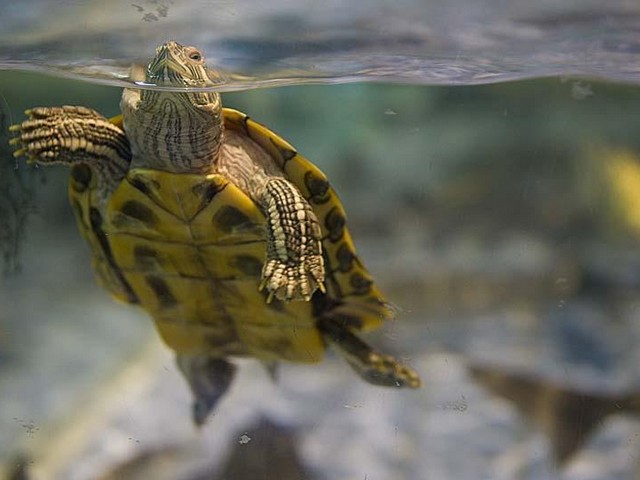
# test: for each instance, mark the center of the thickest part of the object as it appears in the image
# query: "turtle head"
(186, 125)
(175, 65)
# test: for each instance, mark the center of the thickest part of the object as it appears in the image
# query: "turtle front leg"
(72, 135)
(294, 267)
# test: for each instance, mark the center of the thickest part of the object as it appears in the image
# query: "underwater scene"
(310, 240)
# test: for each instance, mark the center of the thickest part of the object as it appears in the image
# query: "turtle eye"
(195, 55)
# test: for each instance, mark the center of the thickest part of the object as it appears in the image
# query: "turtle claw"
(289, 281)
(70, 135)
(385, 370)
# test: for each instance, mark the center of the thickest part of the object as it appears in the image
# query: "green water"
(488, 215)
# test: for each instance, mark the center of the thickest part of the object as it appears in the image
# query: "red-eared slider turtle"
(232, 241)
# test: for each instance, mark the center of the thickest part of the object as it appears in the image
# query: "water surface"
(282, 42)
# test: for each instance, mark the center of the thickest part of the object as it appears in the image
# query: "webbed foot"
(385, 370)
(374, 367)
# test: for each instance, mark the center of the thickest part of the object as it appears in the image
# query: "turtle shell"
(190, 248)
(84, 199)
(359, 302)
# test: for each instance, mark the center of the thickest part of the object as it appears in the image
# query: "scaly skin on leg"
(294, 267)
(374, 367)
(71, 135)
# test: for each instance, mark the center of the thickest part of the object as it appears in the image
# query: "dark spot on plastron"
(95, 219)
(146, 258)
(139, 211)
(161, 290)
(361, 285)
(206, 191)
(322, 304)
(80, 177)
(275, 304)
(334, 223)
(229, 218)
(345, 257)
(144, 185)
(318, 188)
(247, 264)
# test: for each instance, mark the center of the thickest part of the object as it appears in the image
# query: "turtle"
(233, 242)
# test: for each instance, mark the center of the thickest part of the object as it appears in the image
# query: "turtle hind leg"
(374, 367)
(209, 379)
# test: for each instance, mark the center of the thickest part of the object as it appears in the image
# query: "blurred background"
(501, 220)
